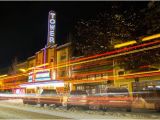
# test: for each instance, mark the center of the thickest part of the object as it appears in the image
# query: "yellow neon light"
(139, 73)
(111, 56)
(42, 70)
(92, 60)
(110, 77)
(12, 76)
(38, 66)
(107, 57)
(125, 53)
(125, 44)
(42, 65)
(151, 37)
(22, 70)
(3, 76)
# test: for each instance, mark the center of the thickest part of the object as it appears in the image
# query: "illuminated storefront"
(92, 76)
(36, 87)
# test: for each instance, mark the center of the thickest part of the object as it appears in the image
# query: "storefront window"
(80, 87)
(142, 86)
(30, 91)
(105, 75)
(98, 76)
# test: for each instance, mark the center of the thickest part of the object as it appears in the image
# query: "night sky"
(23, 25)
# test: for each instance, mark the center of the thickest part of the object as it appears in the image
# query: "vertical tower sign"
(51, 28)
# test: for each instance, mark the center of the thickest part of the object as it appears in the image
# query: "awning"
(52, 83)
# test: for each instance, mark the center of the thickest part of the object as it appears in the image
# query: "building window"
(121, 73)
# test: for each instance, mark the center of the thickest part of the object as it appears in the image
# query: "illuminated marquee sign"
(51, 27)
(39, 76)
(42, 76)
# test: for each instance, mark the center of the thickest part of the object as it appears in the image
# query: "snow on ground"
(79, 113)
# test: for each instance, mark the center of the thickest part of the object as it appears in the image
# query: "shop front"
(37, 87)
(19, 91)
(145, 85)
(92, 86)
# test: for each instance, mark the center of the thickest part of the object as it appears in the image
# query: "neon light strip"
(93, 73)
(3, 76)
(36, 67)
(134, 51)
(127, 76)
(113, 52)
(125, 44)
(151, 37)
(106, 53)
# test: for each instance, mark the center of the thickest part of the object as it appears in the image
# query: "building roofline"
(64, 45)
(32, 57)
(22, 62)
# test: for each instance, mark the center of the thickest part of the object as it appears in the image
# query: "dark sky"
(23, 25)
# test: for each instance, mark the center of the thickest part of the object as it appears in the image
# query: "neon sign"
(42, 76)
(51, 27)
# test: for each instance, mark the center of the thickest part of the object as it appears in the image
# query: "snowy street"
(14, 109)
(10, 110)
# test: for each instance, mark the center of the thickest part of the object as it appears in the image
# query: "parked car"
(77, 98)
(30, 99)
(149, 97)
(111, 97)
(48, 97)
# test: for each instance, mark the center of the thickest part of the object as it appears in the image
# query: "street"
(15, 109)
(13, 112)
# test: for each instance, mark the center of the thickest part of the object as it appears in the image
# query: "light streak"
(103, 98)
(143, 75)
(151, 37)
(92, 60)
(1, 76)
(38, 67)
(125, 44)
(8, 77)
(43, 70)
(93, 73)
(22, 70)
(135, 51)
(98, 55)
(127, 76)
(112, 56)
(108, 53)
(34, 85)
(157, 71)
(116, 101)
